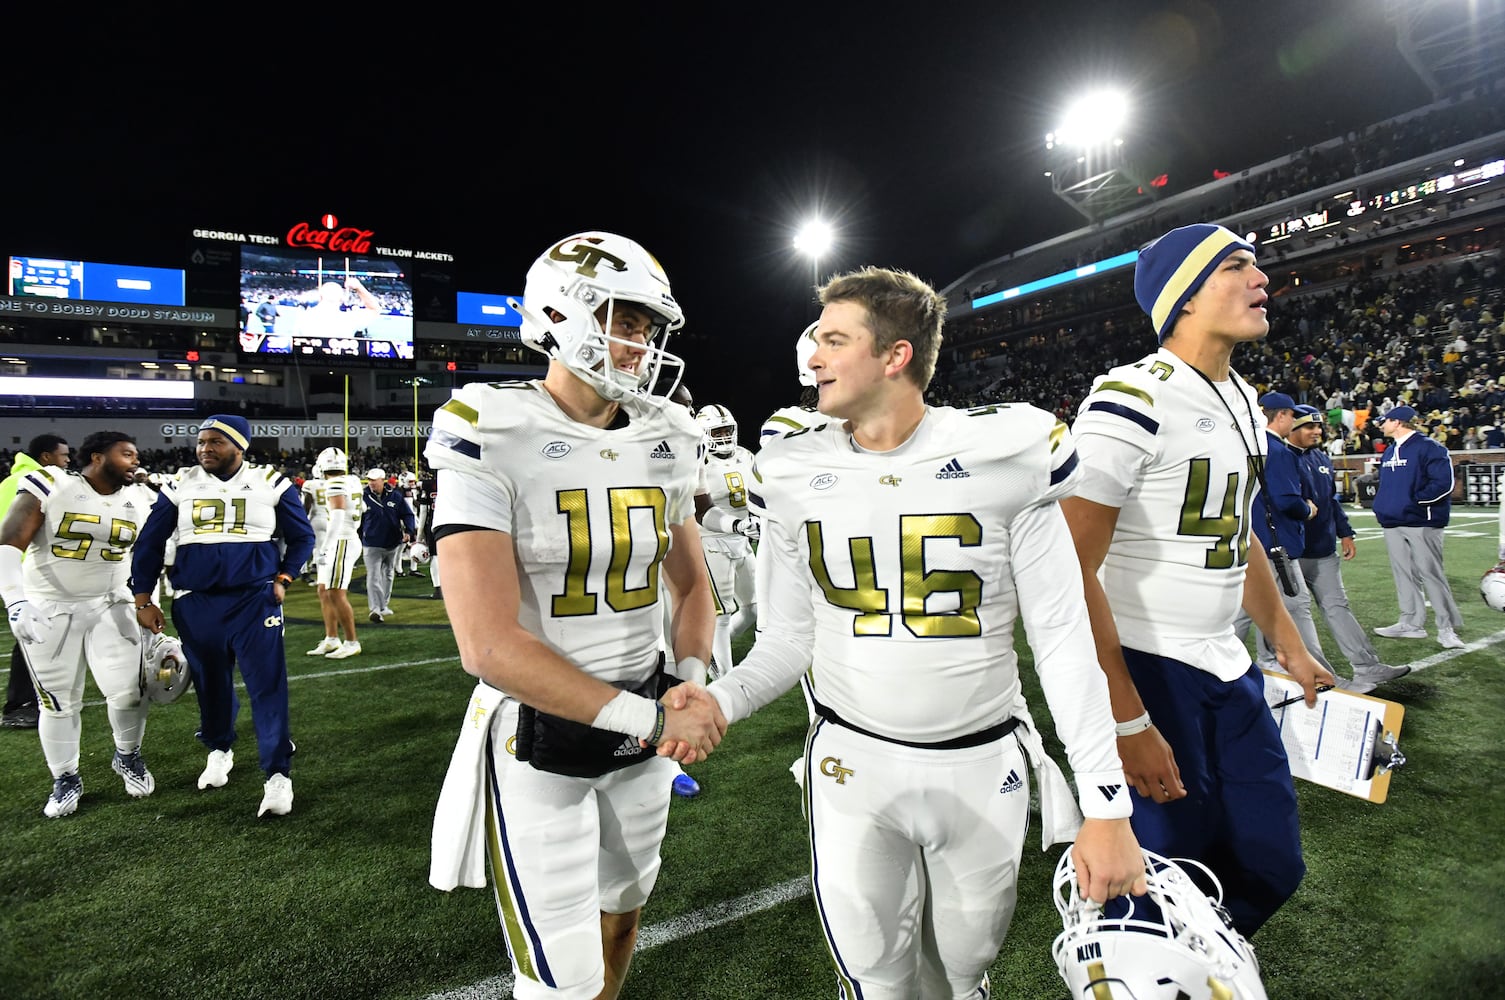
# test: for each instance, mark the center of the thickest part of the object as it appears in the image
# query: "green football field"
(186, 894)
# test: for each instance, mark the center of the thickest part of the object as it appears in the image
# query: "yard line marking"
(348, 671)
(1451, 654)
(673, 929)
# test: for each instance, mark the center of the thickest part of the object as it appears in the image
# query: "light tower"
(1085, 157)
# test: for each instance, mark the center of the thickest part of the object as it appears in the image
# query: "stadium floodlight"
(1086, 156)
(815, 239)
(1095, 119)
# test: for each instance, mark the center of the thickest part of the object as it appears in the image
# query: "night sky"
(707, 134)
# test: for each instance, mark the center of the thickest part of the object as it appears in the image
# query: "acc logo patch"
(1206, 424)
(824, 481)
(555, 449)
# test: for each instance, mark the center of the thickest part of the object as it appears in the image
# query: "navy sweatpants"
(221, 630)
(1239, 814)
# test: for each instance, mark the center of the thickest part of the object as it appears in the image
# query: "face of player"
(1307, 436)
(56, 458)
(847, 373)
(217, 454)
(118, 466)
(1231, 302)
(632, 324)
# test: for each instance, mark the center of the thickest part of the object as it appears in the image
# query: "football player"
(69, 606)
(407, 485)
(727, 529)
(925, 533)
(562, 503)
(341, 550)
(227, 514)
(1169, 448)
(316, 506)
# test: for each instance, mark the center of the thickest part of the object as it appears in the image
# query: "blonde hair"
(899, 307)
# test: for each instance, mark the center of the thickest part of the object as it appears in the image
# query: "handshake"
(693, 723)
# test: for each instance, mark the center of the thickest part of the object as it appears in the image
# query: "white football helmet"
(576, 277)
(1189, 950)
(164, 668)
(1492, 588)
(720, 429)
(331, 460)
(407, 480)
(804, 350)
(419, 553)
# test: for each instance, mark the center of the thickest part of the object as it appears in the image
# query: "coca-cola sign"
(333, 237)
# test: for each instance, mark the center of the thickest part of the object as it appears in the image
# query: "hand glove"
(27, 624)
(748, 527)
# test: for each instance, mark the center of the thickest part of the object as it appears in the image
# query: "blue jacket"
(1331, 523)
(1416, 485)
(386, 517)
(1285, 501)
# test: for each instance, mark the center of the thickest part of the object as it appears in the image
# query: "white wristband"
(628, 713)
(1134, 726)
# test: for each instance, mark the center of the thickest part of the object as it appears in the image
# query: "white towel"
(458, 845)
(1060, 818)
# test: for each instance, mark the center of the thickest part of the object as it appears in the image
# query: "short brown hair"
(899, 307)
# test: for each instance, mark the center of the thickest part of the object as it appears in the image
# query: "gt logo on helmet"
(586, 258)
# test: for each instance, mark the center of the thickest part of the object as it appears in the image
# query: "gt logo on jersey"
(511, 745)
(831, 768)
(608, 454)
(273, 621)
(889, 481)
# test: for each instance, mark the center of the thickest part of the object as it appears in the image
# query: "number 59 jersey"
(588, 510)
(82, 548)
(921, 560)
(1174, 452)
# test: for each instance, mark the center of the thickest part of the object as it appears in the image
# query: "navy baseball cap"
(1277, 401)
(1399, 413)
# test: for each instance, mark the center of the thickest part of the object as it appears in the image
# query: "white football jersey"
(316, 489)
(923, 559)
(1158, 442)
(349, 487)
(82, 549)
(214, 511)
(786, 419)
(725, 482)
(588, 509)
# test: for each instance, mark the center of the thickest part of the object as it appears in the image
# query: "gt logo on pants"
(831, 768)
(273, 621)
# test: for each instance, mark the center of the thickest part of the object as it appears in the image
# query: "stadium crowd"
(1430, 334)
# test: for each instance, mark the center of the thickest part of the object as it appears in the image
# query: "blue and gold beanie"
(1171, 269)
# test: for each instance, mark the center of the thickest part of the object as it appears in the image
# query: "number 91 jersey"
(930, 549)
(588, 510)
(1157, 442)
(82, 549)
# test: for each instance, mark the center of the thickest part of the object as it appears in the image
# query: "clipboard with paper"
(1348, 742)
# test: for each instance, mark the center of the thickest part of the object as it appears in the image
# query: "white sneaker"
(66, 791)
(139, 782)
(343, 650)
(328, 644)
(1449, 639)
(217, 770)
(386, 612)
(1400, 630)
(278, 797)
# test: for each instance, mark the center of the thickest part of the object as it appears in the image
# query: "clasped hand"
(693, 724)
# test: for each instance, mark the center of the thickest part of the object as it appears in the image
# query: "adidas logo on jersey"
(1013, 782)
(629, 748)
(662, 451)
(952, 470)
